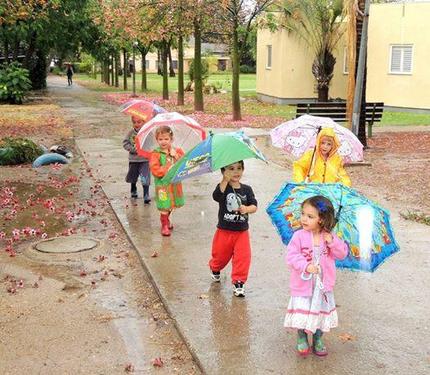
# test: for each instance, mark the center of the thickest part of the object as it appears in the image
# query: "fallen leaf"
(157, 362)
(347, 337)
(154, 254)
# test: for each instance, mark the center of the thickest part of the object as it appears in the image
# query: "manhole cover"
(61, 245)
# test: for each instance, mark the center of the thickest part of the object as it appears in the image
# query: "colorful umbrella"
(217, 151)
(186, 132)
(299, 135)
(143, 109)
(363, 224)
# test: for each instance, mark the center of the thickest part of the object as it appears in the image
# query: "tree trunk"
(117, 66)
(180, 71)
(6, 51)
(144, 84)
(236, 70)
(323, 94)
(102, 71)
(159, 71)
(164, 53)
(171, 70)
(124, 71)
(198, 83)
(112, 71)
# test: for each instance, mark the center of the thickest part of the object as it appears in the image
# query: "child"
(138, 166)
(162, 158)
(327, 164)
(311, 256)
(231, 240)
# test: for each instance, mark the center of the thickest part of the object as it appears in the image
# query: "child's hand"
(328, 237)
(312, 268)
(226, 176)
(173, 153)
(243, 209)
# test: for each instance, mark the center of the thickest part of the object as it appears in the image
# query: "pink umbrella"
(299, 135)
(187, 132)
(143, 109)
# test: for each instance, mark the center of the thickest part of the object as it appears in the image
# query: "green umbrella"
(215, 152)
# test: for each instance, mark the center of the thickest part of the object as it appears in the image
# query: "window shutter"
(396, 58)
(407, 60)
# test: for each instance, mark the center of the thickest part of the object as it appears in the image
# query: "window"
(345, 60)
(401, 59)
(269, 57)
(175, 64)
(147, 64)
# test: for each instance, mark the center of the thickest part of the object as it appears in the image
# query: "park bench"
(337, 112)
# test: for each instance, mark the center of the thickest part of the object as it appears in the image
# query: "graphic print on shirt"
(233, 202)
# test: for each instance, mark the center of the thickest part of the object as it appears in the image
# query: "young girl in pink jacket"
(311, 255)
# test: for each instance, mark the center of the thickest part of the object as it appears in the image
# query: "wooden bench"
(337, 112)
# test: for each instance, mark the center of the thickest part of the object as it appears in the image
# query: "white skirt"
(312, 313)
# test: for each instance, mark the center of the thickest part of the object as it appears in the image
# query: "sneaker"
(239, 289)
(147, 200)
(216, 276)
(134, 194)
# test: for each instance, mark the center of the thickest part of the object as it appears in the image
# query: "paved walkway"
(383, 316)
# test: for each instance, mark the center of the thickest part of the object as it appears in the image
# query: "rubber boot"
(165, 231)
(318, 345)
(133, 190)
(169, 223)
(146, 198)
(303, 348)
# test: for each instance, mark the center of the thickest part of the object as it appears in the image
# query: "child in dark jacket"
(231, 241)
(138, 166)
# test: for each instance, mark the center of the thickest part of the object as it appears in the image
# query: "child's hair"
(163, 130)
(325, 211)
(242, 164)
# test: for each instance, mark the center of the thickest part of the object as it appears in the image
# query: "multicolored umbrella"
(186, 132)
(143, 109)
(217, 151)
(363, 224)
(297, 136)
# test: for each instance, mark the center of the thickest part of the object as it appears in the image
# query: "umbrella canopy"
(299, 135)
(363, 224)
(143, 109)
(217, 151)
(186, 132)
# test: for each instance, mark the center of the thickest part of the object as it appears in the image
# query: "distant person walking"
(69, 73)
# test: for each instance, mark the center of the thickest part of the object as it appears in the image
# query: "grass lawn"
(250, 104)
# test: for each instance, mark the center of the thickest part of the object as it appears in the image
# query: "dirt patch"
(89, 312)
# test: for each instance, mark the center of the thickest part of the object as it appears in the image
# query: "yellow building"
(216, 54)
(397, 62)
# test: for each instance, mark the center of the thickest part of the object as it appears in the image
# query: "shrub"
(57, 70)
(18, 151)
(205, 70)
(14, 83)
(247, 69)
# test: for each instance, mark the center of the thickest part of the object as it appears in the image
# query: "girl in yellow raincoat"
(326, 165)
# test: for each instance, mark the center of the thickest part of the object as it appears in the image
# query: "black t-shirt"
(229, 201)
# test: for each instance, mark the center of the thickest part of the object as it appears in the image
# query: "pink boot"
(165, 231)
(169, 223)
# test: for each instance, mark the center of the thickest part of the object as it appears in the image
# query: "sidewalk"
(245, 336)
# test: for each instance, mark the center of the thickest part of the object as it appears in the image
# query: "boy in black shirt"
(231, 238)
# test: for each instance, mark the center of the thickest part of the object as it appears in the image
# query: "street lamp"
(135, 44)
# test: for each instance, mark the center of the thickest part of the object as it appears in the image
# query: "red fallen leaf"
(157, 362)
(129, 367)
(36, 284)
(11, 290)
(83, 273)
(101, 258)
(154, 254)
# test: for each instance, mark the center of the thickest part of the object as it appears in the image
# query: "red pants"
(228, 244)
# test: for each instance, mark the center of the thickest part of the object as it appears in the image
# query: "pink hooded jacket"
(299, 255)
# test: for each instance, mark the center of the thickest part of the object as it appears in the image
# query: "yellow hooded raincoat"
(322, 171)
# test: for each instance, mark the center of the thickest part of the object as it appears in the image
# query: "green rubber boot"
(303, 348)
(318, 345)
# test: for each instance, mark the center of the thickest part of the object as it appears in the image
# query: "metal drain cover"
(64, 245)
